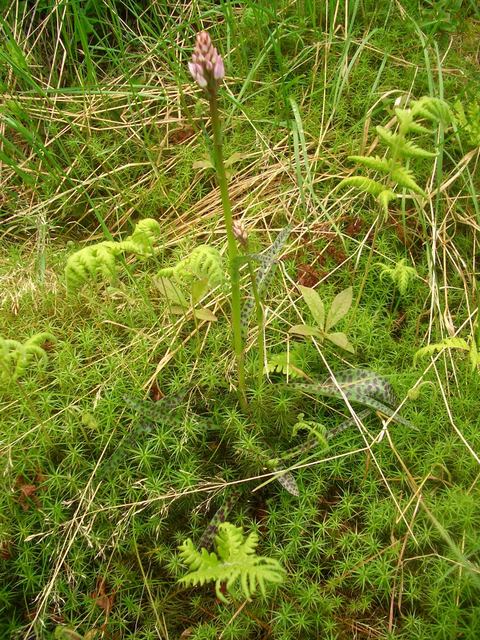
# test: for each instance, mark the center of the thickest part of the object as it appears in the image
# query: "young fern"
(467, 119)
(235, 560)
(203, 263)
(16, 357)
(287, 363)
(143, 239)
(472, 346)
(399, 149)
(100, 260)
(401, 275)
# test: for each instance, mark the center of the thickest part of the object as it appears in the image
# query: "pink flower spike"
(219, 69)
(206, 67)
(192, 67)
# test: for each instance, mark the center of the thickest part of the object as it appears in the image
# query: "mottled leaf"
(288, 482)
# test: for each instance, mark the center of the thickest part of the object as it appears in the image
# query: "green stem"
(232, 246)
(260, 317)
(353, 312)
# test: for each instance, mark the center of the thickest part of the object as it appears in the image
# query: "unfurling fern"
(16, 357)
(287, 362)
(143, 239)
(468, 121)
(235, 560)
(100, 260)
(90, 263)
(203, 263)
(452, 343)
(399, 148)
(401, 275)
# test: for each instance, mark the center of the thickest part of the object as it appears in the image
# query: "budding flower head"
(206, 67)
(240, 233)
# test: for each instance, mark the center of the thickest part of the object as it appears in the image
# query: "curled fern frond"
(203, 263)
(393, 140)
(385, 197)
(401, 275)
(234, 561)
(433, 109)
(407, 122)
(404, 177)
(399, 148)
(90, 263)
(367, 185)
(143, 239)
(401, 145)
(100, 260)
(378, 164)
(411, 150)
(16, 357)
(468, 121)
(446, 343)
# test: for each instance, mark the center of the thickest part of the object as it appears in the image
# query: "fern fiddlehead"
(143, 239)
(399, 149)
(100, 260)
(203, 263)
(16, 357)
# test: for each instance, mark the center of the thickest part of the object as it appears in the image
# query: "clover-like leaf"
(315, 304)
(340, 307)
(340, 340)
(205, 314)
(305, 330)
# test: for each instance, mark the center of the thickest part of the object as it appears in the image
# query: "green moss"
(81, 473)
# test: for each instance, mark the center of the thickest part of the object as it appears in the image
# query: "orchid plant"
(208, 70)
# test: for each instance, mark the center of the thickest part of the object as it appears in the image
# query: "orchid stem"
(232, 247)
